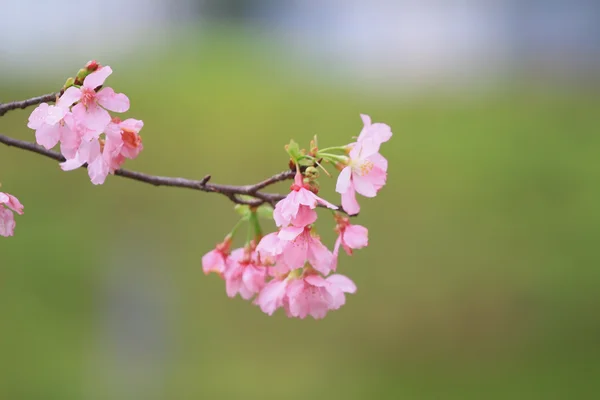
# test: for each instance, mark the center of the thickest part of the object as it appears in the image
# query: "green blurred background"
(480, 280)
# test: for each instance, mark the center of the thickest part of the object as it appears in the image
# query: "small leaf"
(242, 209)
(265, 211)
(293, 149)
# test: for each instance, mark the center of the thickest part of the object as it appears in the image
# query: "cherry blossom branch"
(46, 98)
(234, 193)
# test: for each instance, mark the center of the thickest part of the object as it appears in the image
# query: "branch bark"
(237, 194)
(47, 98)
(232, 192)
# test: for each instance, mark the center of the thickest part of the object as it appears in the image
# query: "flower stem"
(335, 148)
(255, 226)
(333, 157)
(237, 226)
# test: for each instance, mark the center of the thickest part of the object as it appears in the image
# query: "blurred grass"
(480, 280)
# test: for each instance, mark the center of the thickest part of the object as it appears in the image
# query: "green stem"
(335, 148)
(256, 226)
(332, 157)
(237, 226)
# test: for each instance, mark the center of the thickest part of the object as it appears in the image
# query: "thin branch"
(6, 107)
(232, 192)
(237, 194)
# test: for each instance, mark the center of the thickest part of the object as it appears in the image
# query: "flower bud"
(311, 173)
(92, 66)
(70, 82)
(82, 73)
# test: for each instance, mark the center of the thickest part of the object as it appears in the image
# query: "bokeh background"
(481, 278)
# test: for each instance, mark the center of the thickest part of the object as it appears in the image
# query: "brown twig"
(6, 107)
(232, 192)
(247, 194)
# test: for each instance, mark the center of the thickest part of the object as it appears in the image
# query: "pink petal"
(366, 120)
(319, 256)
(363, 185)
(270, 245)
(37, 118)
(55, 114)
(306, 197)
(77, 122)
(271, 296)
(315, 280)
(379, 161)
(349, 202)
(327, 204)
(95, 119)
(286, 209)
(213, 262)
(295, 253)
(253, 278)
(98, 171)
(71, 164)
(131, 124)
(233, 285)
(7, 222)
(11, 202)
(112, 101)
(69, 97)
(343, 181)
(318, 309)
(381, 132)
(378, 177)
(342, 282)
(336, 247)
(97, 78)
(366, 148)
(305, 216)
(48, 135)
(290, 233)
(356, 236)
(297, 302)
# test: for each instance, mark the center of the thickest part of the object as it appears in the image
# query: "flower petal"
(363, 185)
(342, 282)
(356, 236)
(97, 78)
(7, 222)
(349, 202)
(343, 181)
(48, 135)
(69, 97)
(112, 101)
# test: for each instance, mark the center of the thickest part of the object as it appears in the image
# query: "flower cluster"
(8, 204)
(87, 133)
(291, 268)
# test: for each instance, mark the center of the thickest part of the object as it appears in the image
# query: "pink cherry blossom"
(50, 124)
(350, 236)
(288, 211)
(298, 246)
(366, 174)
(215, 260)
(272, 296)
(127, 134)
(378, 132)
(243, 275)
(102, 157)
(90, 103)
(308, 295)
(7, 220)
(314, 295)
